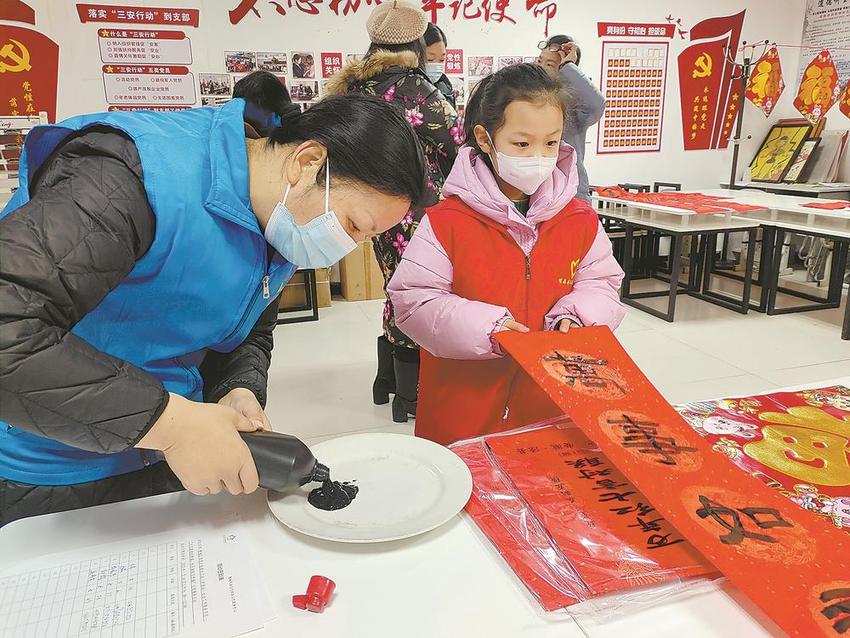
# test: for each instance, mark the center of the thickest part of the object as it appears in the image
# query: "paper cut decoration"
(766, 84)
(776, 553)
(694, 202)
(819, 89)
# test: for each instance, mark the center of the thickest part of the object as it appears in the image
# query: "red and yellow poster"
(795, 442)
(819, 88)
(29, 71)
(844, 100)
(706, 82)
(766, 84)
(789, 561)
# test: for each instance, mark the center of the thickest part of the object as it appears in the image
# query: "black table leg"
(675, 274)
(748, 270)
(776, 265)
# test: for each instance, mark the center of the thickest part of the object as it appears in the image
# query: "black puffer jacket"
(86, 225)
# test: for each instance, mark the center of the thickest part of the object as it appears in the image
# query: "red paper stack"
(698, 203)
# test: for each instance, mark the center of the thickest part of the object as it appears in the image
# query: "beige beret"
(396, 22)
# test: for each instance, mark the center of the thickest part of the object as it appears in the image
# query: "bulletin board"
(634, 82)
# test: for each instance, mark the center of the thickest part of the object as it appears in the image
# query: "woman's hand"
(201, 444)
(245, 403)
(569, 53)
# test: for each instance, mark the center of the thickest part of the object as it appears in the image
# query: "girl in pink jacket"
(510, 248)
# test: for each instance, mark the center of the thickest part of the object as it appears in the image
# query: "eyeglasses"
(544, 45)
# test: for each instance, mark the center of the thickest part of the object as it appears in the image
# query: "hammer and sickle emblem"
(702, 67)
(14, 61)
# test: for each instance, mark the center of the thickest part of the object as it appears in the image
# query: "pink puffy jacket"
(453, 327)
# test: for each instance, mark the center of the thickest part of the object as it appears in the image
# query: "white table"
(665, 215)
(838, 191)
(447, 583)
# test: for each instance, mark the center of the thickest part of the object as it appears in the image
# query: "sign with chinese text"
(129, 46)
(454, 61)
(706, 82)
(788, 561)
(154, 85)
(844, 100)
(635, 30)
(634, 82)
(331, 64)
(138, 15)
(766, 84)
(29, 72)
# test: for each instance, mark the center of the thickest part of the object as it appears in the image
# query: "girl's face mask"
(526, 174)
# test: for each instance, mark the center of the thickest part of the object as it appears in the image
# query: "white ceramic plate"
(408, 486)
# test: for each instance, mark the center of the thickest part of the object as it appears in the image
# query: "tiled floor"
(322, 372)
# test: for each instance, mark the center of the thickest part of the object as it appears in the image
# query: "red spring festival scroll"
(706, 79)
(789, 561)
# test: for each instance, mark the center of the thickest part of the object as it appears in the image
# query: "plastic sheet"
(573, 529)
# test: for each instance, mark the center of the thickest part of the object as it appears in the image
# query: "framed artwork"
(778, 152)
(803, 157)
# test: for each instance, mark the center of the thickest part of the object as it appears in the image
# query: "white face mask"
(524, 173)
(434, 71)
(320, 243)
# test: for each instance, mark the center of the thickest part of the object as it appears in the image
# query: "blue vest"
(202, 285)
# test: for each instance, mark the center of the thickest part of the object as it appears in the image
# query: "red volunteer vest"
(465, 399)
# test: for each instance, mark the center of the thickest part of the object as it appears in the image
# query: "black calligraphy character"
(643, 436)
(730, 519)
(588, 474)
(615, 496)
(608, 484)
(838, 608)
(662, 540)
(648, 526)
(642, 509)
(237, 14)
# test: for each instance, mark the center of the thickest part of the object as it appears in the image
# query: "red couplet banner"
(788, 561)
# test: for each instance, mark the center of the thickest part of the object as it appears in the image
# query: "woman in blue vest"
(140, 264)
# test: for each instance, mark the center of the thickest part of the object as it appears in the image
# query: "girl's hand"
(516, 326)
(245, 403)
(565, 325)
(201, 444)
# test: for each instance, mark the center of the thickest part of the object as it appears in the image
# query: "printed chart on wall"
(145, 66)
(634, 80)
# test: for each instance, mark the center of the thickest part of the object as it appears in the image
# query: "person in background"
(435, 65)
(560, 56)
(267, 93)
(510, 248)
(297, 66)
(394, 70)
(142, 259)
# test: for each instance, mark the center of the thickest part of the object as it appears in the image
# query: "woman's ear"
(308, 159)
(483, 139)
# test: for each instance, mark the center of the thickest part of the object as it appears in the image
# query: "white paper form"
(185, 583)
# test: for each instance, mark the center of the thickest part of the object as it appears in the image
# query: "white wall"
(81, 86)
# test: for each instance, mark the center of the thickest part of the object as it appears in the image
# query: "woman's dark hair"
(417, 47)
(434, 34)
(368, 142)
(296, 59)
(564, 39)
(263, 89)
(487, 104)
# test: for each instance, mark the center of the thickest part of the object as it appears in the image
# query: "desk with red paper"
(632, 496)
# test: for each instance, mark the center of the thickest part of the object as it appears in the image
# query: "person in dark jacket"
(267, 93)
(141, 261)
(435, 64)
(561, 56)
(394, 70)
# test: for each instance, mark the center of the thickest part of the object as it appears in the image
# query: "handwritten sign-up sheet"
(180, 584)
